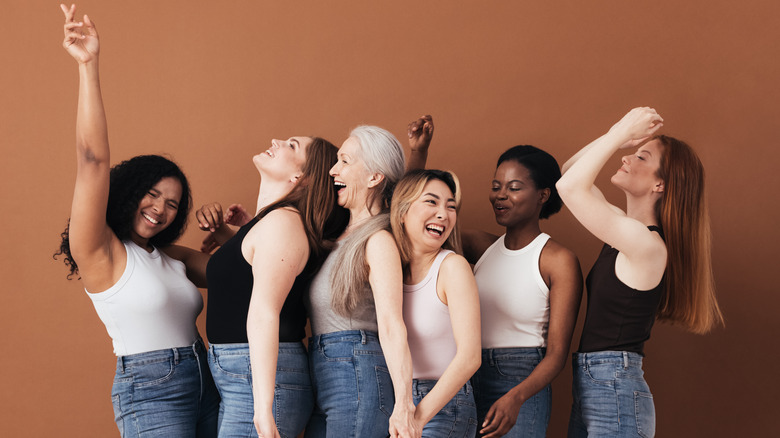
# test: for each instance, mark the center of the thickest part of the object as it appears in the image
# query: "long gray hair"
(381, 153)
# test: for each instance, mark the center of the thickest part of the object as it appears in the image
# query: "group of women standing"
(372, 256)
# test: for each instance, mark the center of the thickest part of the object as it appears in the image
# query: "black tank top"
(230, 289)
(618, 318)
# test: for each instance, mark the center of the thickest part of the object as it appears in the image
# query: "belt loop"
(625, 360)
(122, 363)
(175, 356)
(363, 338)
(490, 357)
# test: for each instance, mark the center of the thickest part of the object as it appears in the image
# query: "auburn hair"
(690, 286)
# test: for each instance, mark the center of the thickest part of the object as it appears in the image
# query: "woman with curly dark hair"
(119, 219)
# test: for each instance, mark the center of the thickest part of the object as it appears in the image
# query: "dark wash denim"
(458, 418)
(293, 396)
(611, 397)
(352, 386)
(165, 393)
(502, 369)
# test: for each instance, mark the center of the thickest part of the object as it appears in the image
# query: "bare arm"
(386, 280)
(100, 255)
(561, 271)
(475, 243)
(420, 133)
(458, 287)
(278, 250)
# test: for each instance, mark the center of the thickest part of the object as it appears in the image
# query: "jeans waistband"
(490, 354)
(362, 336)
(423, 386)
(244, 348)
(176, 353)
(625, 358)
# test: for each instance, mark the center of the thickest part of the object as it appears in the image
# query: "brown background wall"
(210, 83)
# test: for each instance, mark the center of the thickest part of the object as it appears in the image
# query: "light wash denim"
(458, 418)
(352, 386)
(502, 369)
(165, 393)
(293, 396)
(611, 397)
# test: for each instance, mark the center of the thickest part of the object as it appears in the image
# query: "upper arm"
(458, 290)
(561, 270)
(475, 243)
(385, 277)
(277, 249)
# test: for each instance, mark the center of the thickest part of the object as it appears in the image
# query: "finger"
(68, 11)
(202, 224)
(489, 417)
(90, 25)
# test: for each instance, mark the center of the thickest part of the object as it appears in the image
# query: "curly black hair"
(544, 171)
(131, 180)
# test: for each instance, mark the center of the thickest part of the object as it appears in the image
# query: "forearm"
(399, 363)
(417, 159)
(587, 163)
(458, 372)
(542, 375)
(578, 155)
(91, 127)
(263, 335)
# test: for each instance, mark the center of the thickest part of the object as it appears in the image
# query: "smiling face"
(156, 210)
(284, 160)
(514, 196)
(431, 217)
(639, 173)
(350, 176)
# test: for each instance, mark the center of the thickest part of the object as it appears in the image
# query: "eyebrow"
(437, 197)
(297, 143)
(495, 181)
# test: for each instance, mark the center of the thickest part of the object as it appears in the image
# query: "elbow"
(564, 188)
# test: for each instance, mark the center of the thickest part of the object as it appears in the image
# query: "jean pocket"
(510, 367)
(338, 351)
(644, 409)
(152, 373)
(385, 390)
(233, 365)
(602, 373)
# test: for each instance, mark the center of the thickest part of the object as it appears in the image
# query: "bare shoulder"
(454, 264)
(556, 258)
(381, 241)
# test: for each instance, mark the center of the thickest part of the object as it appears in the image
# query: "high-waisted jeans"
(502, 369)
(293, 396)
(458, 418)
(165, 393)
(352, 385)
(611, 397)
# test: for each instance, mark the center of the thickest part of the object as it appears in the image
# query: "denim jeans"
(293, 397)
(165, 393)
(502, 369)
(352, 385)
(611, 397)
(458, 418)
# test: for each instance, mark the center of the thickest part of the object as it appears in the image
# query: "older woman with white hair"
(362, 388)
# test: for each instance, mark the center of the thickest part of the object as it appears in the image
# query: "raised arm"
(575, 187)
(278, 250)
(459, 289)
(100, 255)
(561, 271)
(420, 133)
(386, 280)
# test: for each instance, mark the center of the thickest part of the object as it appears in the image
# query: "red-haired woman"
(655, 264)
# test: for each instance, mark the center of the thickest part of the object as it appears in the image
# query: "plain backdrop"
(211, 83)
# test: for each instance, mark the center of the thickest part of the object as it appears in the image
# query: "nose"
(501, 193)
(275, 143)
(624, 160)
(159, 204)
(333, 171)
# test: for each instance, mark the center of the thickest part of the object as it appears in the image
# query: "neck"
(642, 209)
(142, 242)
(270, 192)
(419, 265)
(359, 214)
(520, 235)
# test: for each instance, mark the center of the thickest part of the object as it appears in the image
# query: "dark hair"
(130, 181)
(544, 171)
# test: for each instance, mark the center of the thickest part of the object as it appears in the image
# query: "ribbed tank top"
(153, 306)
(428, 325)
(514, 300)
(230, 290)
(618, 318)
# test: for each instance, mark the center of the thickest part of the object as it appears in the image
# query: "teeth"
(269, 153)
(339, 184)
(436, 228)
(151, 219)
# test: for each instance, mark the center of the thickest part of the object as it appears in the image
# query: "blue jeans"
(458, 418)
(165, 393)
(293, 397)
(611, 397)
(352, 385)
(502, 369)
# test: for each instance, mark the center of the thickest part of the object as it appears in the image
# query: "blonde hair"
(408, 190)
(690, 286)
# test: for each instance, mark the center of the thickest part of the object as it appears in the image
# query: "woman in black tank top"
(640, 275)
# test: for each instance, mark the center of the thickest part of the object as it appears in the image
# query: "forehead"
(512, 170)
(654, 147)
(170, 187)
(437, 187)
(351, 146)
(305, 142)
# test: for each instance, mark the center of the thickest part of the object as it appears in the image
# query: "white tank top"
(153, 306)
(428, 326)
(513, 297)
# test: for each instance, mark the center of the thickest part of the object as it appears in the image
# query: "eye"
(451, 207)
(152, 194)
(430, 201)
(641, 157)
(495, 188)
(173, 205)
